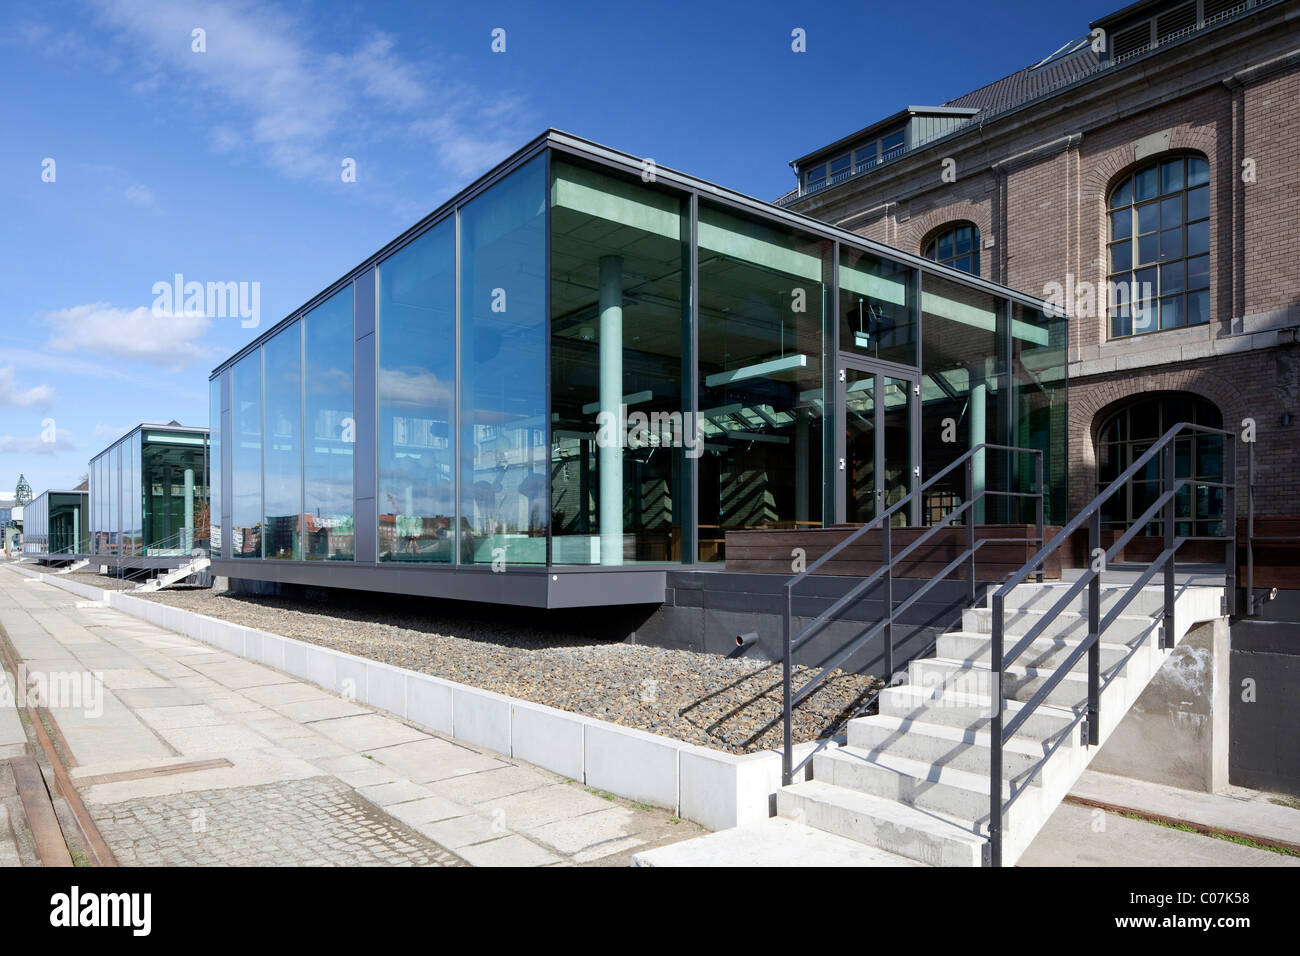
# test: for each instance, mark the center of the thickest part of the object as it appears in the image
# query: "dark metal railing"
(1001, 730)
(885, 575)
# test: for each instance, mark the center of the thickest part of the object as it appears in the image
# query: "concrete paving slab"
(579, 833)
(307, 711)
(400, 791)
(213, 739)
(536, 808)
(166, 696)
(511, 850)
(132, 678)
(459, 832)
(490, 784)
(426, 810)
(1084, 836)
(774, 842)
(425, 761)
(169, 718)
(273, 694)
(1240, 811)
(367, 732)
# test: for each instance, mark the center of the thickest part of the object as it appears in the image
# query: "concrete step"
(971, 711)
(946, 746)
(958, 794)
(774, 842)
(1044, 652)
(1018, 682)
(1041, 597)
(1068, 625)
(925, 837)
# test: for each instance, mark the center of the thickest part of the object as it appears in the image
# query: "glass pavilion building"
(55, 525)
(149, 495)
(583, 371)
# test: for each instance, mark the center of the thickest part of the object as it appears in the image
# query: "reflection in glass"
(417, 332)
(282, 422)
(246, 457)
(503, 434)
(214, 481)
(877, 307)
(330, 429)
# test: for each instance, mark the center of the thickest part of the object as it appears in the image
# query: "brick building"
(1145, 177)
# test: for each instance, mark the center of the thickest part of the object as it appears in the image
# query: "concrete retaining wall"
(714, 789)
(1176, 733)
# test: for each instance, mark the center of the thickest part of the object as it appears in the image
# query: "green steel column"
(611, 400)
(978, 397)
(188, 537)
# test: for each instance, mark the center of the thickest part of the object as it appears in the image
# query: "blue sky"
(225, 165)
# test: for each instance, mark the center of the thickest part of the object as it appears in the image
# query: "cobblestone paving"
(314, 822)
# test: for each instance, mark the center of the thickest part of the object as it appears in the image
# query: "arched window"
(957, 245)
(1130, 431)
(1160, 247)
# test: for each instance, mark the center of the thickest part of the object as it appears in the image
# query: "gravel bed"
(706, 699)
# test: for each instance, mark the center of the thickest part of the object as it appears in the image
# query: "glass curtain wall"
(330, 429)
(621, 436)
(214, 483)
(877, 307)
(963, 396)
(503, 355)
(762, 301)
(416, 381)
(282, 426)
(246, 457)
(1039, 404)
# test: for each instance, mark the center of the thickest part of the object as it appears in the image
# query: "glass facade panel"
(282, 426)
(877, 307)
(417, 374)
(214, 469)
(1039, 405)
(503, 434)
(620, 278)
(115, 500)
(246, 457)
(330, 430)
(963, 394)
(762, 301)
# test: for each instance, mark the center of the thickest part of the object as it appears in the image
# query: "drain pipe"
(746, 641)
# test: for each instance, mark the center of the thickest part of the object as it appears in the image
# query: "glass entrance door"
(877, 457)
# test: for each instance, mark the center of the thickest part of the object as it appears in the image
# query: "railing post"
(1167, 637)
(1094, 634)
(787, 751)
(1038, 507)
(970, 527)
(1230, 519)
(887, 549)
(995, 735)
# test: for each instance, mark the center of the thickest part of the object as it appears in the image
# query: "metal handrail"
(1000, 730)
(882, 521)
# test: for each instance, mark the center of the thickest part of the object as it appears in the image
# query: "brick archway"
(917, 232)
(1092, 402)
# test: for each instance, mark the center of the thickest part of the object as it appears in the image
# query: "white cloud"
(36, 445)
(99, 328)
(139, 194)
(109, 433)
(301, 103)
(39, 396)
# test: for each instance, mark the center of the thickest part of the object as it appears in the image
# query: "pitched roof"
(1063, 67)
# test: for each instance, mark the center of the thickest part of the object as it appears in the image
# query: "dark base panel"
(525, 587)
(1264, 744)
